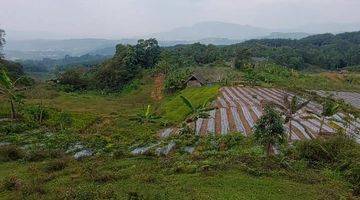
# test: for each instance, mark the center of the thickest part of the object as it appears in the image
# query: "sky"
(131, 18)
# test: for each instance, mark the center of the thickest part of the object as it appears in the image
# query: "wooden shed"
(195, 80)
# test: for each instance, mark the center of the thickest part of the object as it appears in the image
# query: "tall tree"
(2, 42)
(148, 52)
(242, 57)
(269, 130)
(291, 109)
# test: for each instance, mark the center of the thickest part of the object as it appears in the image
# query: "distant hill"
(279, 35)
(217, 33)
(213, 30)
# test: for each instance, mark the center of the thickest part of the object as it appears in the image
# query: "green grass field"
(104, 122)
(119, 179)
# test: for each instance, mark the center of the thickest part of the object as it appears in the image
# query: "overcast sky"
(127, 18)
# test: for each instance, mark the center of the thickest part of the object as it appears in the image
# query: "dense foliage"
(269, 130)
(48, 64)
(14, 69)
(327, 51)
(115, 73)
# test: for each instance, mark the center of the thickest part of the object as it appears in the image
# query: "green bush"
(339, 153)
(13, 128)
(353, 176)
(56, 165)
(335, 151)
(36, 113)
(175, 80)
(37, 155)
(11, 153)
(11, 183)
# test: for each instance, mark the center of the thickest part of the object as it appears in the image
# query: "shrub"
(73, 80)
(36, 113)
(134, 196)
(13, 128)
(335, 151)
(37, 155)
(11, 183)
(353, 176)
(175, 80)
(11, 153)
(33, 188)
(63, 120)
(339, 153)
(56, 165)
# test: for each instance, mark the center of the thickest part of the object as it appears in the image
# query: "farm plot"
(352, 98)
(240, 107)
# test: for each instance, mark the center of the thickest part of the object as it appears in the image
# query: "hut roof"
(198, 77)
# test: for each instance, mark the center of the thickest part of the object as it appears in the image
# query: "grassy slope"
(143, 176)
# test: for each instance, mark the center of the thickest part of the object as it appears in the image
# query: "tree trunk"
(290, 130)
(13, 111)
(321, 124)
(268, 150)
(41, 113)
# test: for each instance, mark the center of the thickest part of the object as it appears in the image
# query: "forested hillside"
(327, 51)
(48, 64)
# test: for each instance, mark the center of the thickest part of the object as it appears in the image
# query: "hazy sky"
(126, 18)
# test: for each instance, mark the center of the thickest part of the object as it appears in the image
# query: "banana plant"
(291, 109)
(147, 116)
(329, 108)
(196, 112)
(9, 90)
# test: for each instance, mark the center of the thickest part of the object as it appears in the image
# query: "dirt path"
(157, 94)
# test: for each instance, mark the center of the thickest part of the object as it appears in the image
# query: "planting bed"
(352, 98)
(240, 107)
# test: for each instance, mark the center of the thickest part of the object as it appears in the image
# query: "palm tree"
(9, 90)
(290, 109)
(269, 129)
(196, 112)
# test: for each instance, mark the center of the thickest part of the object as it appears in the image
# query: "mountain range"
(217, 33)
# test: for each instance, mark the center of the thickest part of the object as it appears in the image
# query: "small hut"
(195, 80)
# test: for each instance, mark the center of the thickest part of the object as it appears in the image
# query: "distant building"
(195, 80)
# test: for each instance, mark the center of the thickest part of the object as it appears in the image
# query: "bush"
(11, 183)
(13, 128)
(353, 176)
(73, 80)
(37, 155)
(11, 153)
(36, 113)
(175, 80)
(56, 165)
(32, 188)
(335, 151)
(339, 153)
(134, 196)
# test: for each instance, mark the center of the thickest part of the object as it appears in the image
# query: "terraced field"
(352, 98)
(240, 107)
